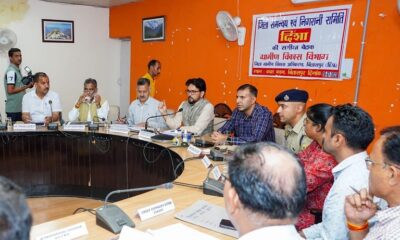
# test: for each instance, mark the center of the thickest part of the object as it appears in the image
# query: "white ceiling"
(95, 3)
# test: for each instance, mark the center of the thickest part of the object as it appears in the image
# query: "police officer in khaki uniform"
(292, 112)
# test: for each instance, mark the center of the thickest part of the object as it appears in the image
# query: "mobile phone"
(225, 223)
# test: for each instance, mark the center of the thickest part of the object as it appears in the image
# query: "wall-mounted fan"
(8, 39)
(230, 28)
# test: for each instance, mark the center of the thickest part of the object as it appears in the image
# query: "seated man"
(90, 106)
(348, 132)
(197, 112)
(384, 182)
(263, 201)
(292, 112)
(250, 122)
(144, 107)
(41, 105)
(15, 216)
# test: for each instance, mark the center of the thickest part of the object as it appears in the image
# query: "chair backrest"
(218, 123)
(113, 113)
(279, 136)
(222, 110)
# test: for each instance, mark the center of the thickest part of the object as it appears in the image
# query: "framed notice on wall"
(308, 44)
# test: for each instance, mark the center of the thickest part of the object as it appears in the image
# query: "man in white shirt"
(263, 201)
(41, 105)
(144, 107)
(90, 106)
(348, 132)
(197, 115)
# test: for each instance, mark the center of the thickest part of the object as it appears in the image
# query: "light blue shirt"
(350, 172)
(138, 113)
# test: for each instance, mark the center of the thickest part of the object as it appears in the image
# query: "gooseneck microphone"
(51, 109)
(162, 115)
(165, 185)
(112, 218)
(99, 118)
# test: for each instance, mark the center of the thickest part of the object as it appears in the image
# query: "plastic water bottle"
(185, 137)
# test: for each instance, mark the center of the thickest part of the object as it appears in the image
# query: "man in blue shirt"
(144, 107)
(250, 122)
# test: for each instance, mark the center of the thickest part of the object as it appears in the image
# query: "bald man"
(262, 201)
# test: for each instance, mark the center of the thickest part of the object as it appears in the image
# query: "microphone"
(112, 218)
(162, 115)
(52, 126)
(51, 109)
(99, 118)
(211, 186)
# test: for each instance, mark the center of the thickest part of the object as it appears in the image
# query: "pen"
(369, 197)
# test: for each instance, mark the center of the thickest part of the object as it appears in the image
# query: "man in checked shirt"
(250, 122)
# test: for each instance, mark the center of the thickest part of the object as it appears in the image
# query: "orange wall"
(195, 48)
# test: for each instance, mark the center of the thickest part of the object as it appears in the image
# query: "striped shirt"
(386, 225)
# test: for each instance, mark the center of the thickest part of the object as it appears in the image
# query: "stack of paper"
(208, 216)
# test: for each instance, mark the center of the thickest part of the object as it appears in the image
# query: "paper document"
(175, 231)
(180, 231)
(206, 215)
(129, 233)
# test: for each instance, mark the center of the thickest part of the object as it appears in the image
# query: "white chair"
(113, 113)
(279, 136)
(218, 123)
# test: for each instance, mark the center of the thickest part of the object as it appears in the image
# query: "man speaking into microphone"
(145, 107)
(41, 105)
(197, 112)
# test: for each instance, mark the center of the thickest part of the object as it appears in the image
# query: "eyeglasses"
(369, 162)
(191, 92)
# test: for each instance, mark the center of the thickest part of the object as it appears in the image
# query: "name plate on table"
(206, 161)
(145, 134)
(156, 209)
(119, 128)
(194, 150)
(68, 233)
(25, 127)
(74, 127)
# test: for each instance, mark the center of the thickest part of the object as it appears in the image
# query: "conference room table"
(68, 163)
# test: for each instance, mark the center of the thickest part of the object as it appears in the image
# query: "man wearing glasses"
(348, 132)
(90, 106)
(384, 182)
(197, 113)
